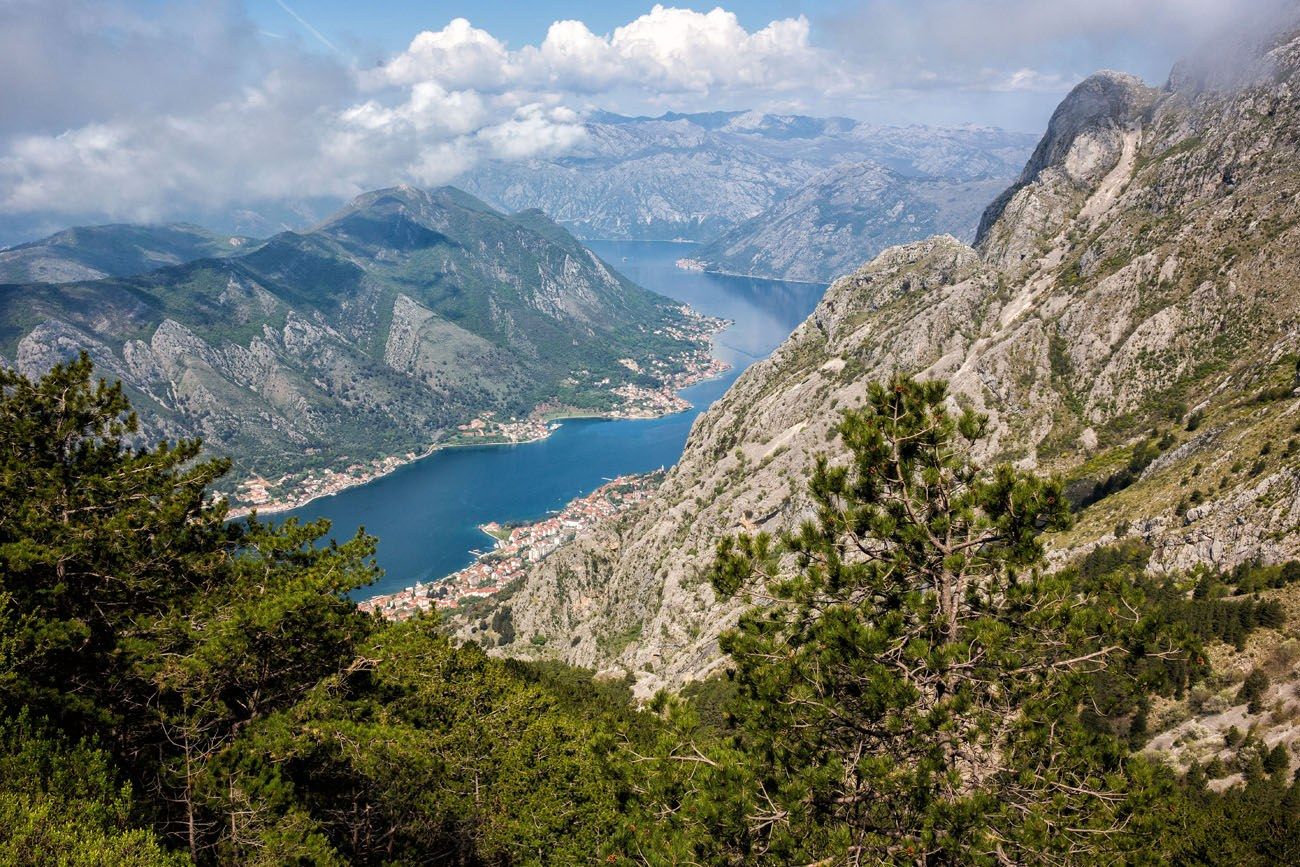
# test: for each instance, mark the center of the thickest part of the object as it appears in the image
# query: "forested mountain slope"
(404, 314)
(1128, 318)
(118, 250)
(697, 176)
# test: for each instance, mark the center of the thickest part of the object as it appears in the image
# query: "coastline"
(699, 267)
(553, 420)
(515, 547)
(278, 506)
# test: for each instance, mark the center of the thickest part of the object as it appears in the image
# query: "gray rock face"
(1085, 139)
(1143, 265)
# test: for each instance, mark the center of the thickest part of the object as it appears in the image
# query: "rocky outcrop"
(1093, 130)
(1140, 275)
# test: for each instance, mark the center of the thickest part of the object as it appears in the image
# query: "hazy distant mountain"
(696, 176)
(405, 313)
(844, 217)
(118, 250)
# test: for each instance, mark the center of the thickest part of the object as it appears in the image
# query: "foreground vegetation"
(915, 687)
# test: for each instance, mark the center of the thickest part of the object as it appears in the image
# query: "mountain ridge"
(113, 250)
(1111, 322)
(697, 176)
(844, 217)
(368, 337)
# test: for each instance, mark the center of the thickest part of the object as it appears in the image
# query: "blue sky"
(996, 62)
(142, 109)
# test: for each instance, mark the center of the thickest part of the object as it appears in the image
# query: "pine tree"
(1253, 689)
(909, 687)
(94, 535)
(240, 701)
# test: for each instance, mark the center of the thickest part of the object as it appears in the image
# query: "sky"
(149, 109)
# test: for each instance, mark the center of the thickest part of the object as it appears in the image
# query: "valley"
(318, 359)
(428, 512)
(779, 196)
(496, 478)
(1091, 321)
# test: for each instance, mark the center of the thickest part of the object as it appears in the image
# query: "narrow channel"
(427, 513)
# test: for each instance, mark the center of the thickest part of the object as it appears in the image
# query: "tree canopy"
(911, 685)
(233, 702)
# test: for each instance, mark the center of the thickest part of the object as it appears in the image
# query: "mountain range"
(790, 196)
(698, 176)
(845, 216)
(368, 336)
(118, 250)
(1128, 317)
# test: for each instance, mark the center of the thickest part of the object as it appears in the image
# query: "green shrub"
(1252, 690)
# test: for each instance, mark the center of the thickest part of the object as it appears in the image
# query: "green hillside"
(369, 336)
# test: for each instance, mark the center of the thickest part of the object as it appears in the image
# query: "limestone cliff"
(1129, 318)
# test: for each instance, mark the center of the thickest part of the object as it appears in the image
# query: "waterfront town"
(516, 547)
(487, 430)
(643, 402)
(264, 495)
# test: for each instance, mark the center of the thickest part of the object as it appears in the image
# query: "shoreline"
(702, 270)
(683, 241)
(278, 507)
(275, 507)
(514, 547)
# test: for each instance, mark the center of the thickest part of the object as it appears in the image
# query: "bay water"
(426, 514)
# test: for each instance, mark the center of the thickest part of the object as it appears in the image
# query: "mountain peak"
(1105, 99)
(414, 203)
(1085, 131)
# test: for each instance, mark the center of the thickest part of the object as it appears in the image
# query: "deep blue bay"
(426, 514)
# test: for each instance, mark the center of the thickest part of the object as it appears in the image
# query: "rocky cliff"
(1129, 318)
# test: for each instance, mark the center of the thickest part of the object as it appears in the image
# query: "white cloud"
(458, 56)
(203, 115)
(533, 132)
(1027, 80)
(667, 50)
(130, 110)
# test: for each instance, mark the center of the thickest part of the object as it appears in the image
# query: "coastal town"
(266, 495)
(644, 402)
(488, 430)
(631, 401)
(517, 547)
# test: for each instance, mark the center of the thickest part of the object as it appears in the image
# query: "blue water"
(426, 514)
